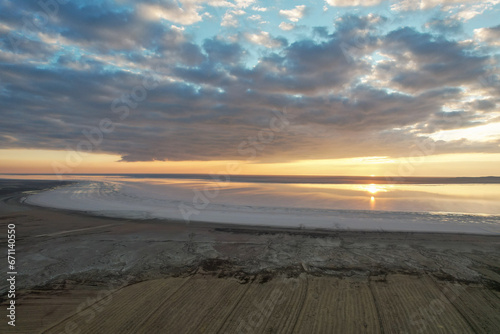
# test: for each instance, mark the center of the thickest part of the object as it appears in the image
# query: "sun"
(373, 189)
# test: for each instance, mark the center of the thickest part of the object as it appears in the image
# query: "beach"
(82, 273)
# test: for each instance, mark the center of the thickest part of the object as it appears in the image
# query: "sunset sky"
(338, 87)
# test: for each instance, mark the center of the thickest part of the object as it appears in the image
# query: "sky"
(339, 87)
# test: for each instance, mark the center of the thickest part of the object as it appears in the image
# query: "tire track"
(471, 326)
(299, 316)
(164, 301)
(377, 306)
(233, 309)
(47, 330)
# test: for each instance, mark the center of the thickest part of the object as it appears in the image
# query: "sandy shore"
(83, 274)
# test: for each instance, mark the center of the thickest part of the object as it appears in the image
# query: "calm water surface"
(443, 198)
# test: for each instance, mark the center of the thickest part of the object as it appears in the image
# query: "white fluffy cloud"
(467, 9)
(259, 9)
(294, 14)
(230, 20)
(467, 12)
(352, 3)
(243, 3)
(263, 38)
(286, 26)
(186, 14)
(488, 35)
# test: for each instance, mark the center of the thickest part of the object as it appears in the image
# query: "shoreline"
(240, 228)
(282, 218)
(68, 256)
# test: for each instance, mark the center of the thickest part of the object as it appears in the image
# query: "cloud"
(286, 26)
(465, 9)
(259, 9)
(489, 36)
(294, 14)
(221, 52)
(446, 26)
(353, 3)
(467, 12)
(188, 12)
(421, 61)
(264, 38)
(402, 85)
(182, 12)
(244, 3)
(230, 18)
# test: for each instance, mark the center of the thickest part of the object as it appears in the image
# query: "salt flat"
(263, 205)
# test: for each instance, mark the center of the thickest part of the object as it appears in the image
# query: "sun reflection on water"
(372, 203)
(374, 188)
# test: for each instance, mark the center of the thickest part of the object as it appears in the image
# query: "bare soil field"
(204, 303)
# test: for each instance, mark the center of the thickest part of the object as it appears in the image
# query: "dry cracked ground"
(83, 274)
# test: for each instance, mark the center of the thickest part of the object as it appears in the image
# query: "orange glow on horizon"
(44, 161)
